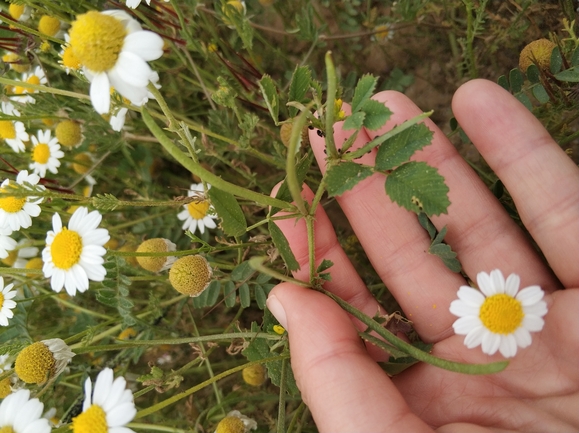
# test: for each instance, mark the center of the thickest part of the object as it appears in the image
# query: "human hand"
(339, 378)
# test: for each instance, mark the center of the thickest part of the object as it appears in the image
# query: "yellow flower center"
(1, 298)
(198, 210)
(230, 424)
(41, 153)
(152, 263)
(66, 249)
(9, 261)
(48, 25)
(7, 129)
(7, 429)
(254, 375)
(501, 314)
(69, 60)
(68, 133)
(16, 11)
(190, 275)
(96, 40)
(34, 363)
(5, 391)
(11, 204)
(35, 263)
(92, 420)
(33, 79)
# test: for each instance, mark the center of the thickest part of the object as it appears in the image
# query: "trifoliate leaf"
(363, 92)
(354, 121)
(345, 176)
(418, 187)
(269, 92)
(398, 149)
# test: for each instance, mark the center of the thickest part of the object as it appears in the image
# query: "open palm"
(339, 378)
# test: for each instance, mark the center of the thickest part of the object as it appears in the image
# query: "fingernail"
(277, 310)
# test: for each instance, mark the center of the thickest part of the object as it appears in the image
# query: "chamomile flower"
(12, 131)
(108, 409)
(21, 414)
(74, 255)
(19, 257)
(6, 302)
(22, 94)
(6, 242)
(42, 361)
(114, 50)
(19, 12)
(236, 422)
(198, 213)
(45, 153)
(17, 212)
(499, 316)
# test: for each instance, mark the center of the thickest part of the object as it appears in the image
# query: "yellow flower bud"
(537, 52)
(190, 275)
(68, 133)
(254, 375)
(156, 263)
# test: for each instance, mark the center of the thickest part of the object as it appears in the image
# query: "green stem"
(282, 393)
(416, 353)
(311, 246)
(294, 186)
(257, 264)
(182, 395)
(330, 101)
(207, 176)
(41, 88)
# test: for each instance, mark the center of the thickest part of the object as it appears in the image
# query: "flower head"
(45, 154)
(19, 12)
(254, 375)
(190, 275)
(6, 302)
(42, 360)
(18, 257)
(156, 263)
(198, 213)
(13, 132)
(17, 212)
(22, 94)
(21, 414)
(114, 50)
(68, 133)
(108, 409)
(499, 316)
(537, 52)
(235, 422)
(74, 255)
(50, 26)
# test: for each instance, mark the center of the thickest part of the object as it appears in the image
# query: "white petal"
(523, 337)
(145, 44)
(533, 323)
(115, 394)
(512, 285)
(470, 296)
(464, 325)
(209, 222)
(137, 95)
(508, 346)
(100, 93)
(530, 295)
(490, 343)
(87, 394)
(498, 281)
(539, 309)
(461, 309)
(57, 280)
(121, 414)
(102, 387)
(485, 284)
(474, 337)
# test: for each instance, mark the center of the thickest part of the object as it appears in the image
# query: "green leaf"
(525, 100)
(212, 291)
(398, 149)
(244, 296)
(269, 92)
(570, 75)
(516, 79)
(260, 296)
(345, 176)
(427, 224)
(364, 90)
(376, 114)
(575, 57)
(354, 121)
(447, 255)
(418, 187)
(299, 87)
(556, 60)
(324, 266)
(503, 82)
(541, 94)
(229, 293)
(533, 74)
(226, 206)
(242, 272)
(282, 245)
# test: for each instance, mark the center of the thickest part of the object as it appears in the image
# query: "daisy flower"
(18, 257)
(114, 50)
(22, 94)
(67, 58)
(42, 360)
(110, 406)
(74, 255)
(6, 302)
(236, 422)
(13, 132)
(21, 414)
(198, 213)
(6, 242)
(45, 154)
(499, 316)
(17, 212)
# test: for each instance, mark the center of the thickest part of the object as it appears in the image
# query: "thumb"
(343, 387)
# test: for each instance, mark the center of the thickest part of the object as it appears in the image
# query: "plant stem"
(329, 111)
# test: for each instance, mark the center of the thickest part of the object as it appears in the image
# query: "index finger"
(542, 179)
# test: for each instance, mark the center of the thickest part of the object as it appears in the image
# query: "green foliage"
(345, 176)
(226, 206)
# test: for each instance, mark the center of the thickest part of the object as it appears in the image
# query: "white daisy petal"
(133, 69)
(100, 95)
(21, 414)
(145, 44)
(500, 317)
